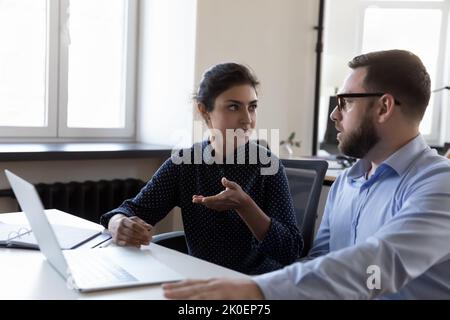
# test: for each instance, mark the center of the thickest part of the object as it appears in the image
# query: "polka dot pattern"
(222, 237)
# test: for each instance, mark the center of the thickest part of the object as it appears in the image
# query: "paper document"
(20, 236)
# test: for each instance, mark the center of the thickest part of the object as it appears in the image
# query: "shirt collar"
(399, 161)
(402, 158)
(359, 169)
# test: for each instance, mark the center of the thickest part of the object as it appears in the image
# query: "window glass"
(23, 41)
(386, 28)
(96, 64)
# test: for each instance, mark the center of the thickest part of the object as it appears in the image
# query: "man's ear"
(386, 108)
(203, 112)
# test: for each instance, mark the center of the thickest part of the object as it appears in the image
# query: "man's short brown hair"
(399, 73)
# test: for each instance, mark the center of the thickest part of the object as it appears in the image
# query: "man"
(385, 232)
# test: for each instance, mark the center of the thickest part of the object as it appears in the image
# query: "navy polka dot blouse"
(222, 237)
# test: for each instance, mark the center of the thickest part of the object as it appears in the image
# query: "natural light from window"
(97, 48)
(23, 34)
(386, 28)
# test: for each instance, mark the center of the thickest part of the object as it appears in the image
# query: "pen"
(105, 244)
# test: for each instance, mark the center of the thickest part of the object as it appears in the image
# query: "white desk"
(25, 274)
(331, 176)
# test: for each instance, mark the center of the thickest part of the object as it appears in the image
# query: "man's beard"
(360, 141)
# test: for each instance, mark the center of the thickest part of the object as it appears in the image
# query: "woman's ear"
(203, 112)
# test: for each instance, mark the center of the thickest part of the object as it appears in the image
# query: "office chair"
(305, 178)
(173, 240)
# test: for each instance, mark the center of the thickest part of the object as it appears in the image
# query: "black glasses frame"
(341, 98)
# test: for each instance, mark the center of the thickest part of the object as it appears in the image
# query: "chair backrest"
(305, 178)
(175, 240)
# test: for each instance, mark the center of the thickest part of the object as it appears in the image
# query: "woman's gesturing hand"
(233, 197)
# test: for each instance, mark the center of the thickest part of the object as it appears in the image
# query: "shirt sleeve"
(155, 199)
(283, 241)
(413, 241)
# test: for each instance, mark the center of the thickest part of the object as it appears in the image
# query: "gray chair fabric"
(305, 178)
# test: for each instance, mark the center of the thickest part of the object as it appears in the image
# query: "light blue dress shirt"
(398, 221)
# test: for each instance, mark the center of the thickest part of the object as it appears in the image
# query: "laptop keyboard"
(92, 270)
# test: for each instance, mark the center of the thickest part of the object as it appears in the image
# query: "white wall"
(166, 71)
(276, 39)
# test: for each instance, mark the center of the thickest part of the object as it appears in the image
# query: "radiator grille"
(89, 199)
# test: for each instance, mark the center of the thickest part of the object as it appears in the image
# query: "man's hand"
(214, 289)
(129, 231)
(233, 197)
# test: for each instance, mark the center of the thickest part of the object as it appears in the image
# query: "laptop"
(94, 269)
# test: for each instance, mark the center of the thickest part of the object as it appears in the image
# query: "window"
(418, 26)
(67, 68)
(22, 63)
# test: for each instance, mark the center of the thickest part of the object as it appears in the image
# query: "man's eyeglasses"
(341, 98)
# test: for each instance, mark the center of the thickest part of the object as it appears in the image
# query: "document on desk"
(21, 236)
(11, 231)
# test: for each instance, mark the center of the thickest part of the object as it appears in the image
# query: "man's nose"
(335, 115)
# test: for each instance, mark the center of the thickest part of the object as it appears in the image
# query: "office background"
(176, 41)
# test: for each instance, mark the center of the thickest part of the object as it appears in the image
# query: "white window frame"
(435, 136)
(56, 128)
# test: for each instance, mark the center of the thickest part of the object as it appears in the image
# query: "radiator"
(89, 199)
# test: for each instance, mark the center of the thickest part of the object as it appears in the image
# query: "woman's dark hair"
(400, 73)
(220, 78)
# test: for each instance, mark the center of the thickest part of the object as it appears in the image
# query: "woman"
(232, 214)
